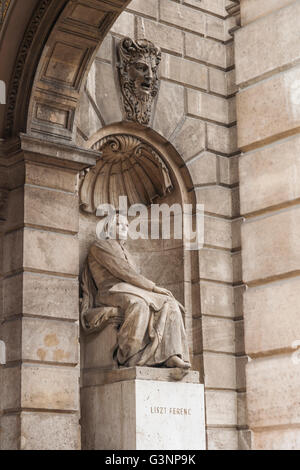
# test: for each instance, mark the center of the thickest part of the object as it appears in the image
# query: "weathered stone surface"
(274, 241)
(203, 169)
(251, 10)
(219, 370)
(87, 120)
(282, 184)
(101, 85)
(10, 430)
(168, 39)
(51, 209)
(216, 265)
(146, 8)
(10, 390)
(182, 16)
(52, 388)
(217, 232)
(242, 409)
(245, 440)
(277, 439)
(48, 251)
(217, 299)
(184, 71)
(218, 334)
(190, 138)
(273, 392)
(222, 439)
(47, 176)
(272, 317)
(281, 28)
(241, 372)
(106, 49)
(49, 431)
(209, 107)
(229, 170)
(206, 50)
(169, 108)
(221, 408)
(260, 121)
(41, 295)
(221, 139)
(213, 6)
(124, 25)
(217, 200)
(99, 349)
(218, 81)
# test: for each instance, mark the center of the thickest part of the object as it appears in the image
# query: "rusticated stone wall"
(268, 110)
(195, 111)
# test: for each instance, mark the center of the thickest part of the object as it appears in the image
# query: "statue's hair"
(130, 51)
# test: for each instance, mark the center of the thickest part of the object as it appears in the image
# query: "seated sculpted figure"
(151, 329)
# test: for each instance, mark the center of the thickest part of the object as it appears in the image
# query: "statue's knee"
(139, 304)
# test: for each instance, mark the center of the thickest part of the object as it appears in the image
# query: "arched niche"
(166, 262)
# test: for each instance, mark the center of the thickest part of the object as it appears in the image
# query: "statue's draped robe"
(153, 329)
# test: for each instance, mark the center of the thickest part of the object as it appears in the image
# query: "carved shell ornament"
(127, 167)
(138, 63)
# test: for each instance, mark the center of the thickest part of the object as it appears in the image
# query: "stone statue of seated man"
(151, 331)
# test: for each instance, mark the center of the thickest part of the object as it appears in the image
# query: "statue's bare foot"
(175, 361)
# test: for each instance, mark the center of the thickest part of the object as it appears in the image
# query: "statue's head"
(115, 228)
(138, 68)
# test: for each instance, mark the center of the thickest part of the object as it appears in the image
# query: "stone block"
(241, 372)
(189, 140)
(87, 120)
(221, 408)
(219, 370)
(277, 439)
(282, 182)
(273, 392)
(217, 299)
(105, 51)
(269, 110)
(101, 85)
(272, 317)
(245, 439)
(42, 295)
(281, 28)
(251, 10)
(218, 81)
(216, 265)
(229, 170)
(169, 108)
(49, 177)
(50, 431)
(124, 26)
(148, 409)
(10, 390)
(221, 139)
(51, 209)
(10, 431)
(50, 387)
(182, 16)
(218, 335)
(184, 71)
(242, 409)
(99, 349)
(209, 107)
(168, 39)
(217, 200)
(206, 50)
(216, 7)
(145, 8)
(203, 169)
(222, 439)
(274, 241)
(217, 232)
(52, 252)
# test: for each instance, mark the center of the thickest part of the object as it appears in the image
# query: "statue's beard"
(138, 100)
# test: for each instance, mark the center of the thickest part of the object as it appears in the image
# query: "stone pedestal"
(143, 408)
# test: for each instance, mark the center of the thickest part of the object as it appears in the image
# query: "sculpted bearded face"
(143, 75)
(138, 70)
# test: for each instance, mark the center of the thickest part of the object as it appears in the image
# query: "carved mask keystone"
(138, 72)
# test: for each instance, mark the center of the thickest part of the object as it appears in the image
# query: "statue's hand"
(161, 290)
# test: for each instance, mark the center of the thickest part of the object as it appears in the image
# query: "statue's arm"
(121, 269)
